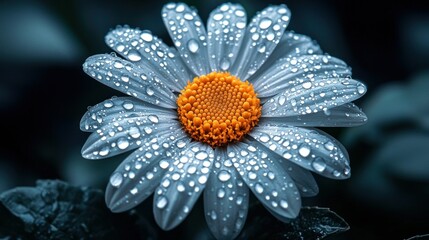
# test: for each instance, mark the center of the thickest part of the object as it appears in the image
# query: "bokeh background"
(44, 93)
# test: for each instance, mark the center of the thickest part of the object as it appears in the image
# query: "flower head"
(228, 110)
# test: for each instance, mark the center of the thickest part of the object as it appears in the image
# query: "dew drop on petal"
(306, 85)
(123, 143)
(282, 100)
(361, 89)
(146, 36)
(284, 204)
(319, 164)
(258, 187)
(153, 118)
(329, 146)
(116, 179)
(163, 164)
(134, 191)
(225, 64)
(264, 138)
(221, 193)
(252, 175)
(104, 151)
(201, 155)
(162, 202)
(134, 56)
(193, 45)
(202, 179)
(304, 150)
(128, 105)
(223, 176)
(265, 23)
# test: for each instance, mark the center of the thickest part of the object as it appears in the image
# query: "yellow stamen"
(218, 108)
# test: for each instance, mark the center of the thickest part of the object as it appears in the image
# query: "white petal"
(262, 36)
(188, 34)
(126, 77)
(226, 26)
(226, 198)
(346, 115)
(313, 96)
(116, 108)
(266, 178)
(291, 45)
(290, 73)
(123, 135)
(182, 185)
(139, 174)
(309, 148)
(150, 54)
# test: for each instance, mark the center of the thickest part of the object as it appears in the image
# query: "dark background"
(44, 93)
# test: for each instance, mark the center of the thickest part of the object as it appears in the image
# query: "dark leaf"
(312, 223)
(55, 210)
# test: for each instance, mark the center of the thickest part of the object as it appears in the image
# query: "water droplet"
(146, 36)
(193, 45)
(258, 187)
(188, 16)
(202, 179)
(213, 215)
(319, 164)
(180, 187)
(224, 64)
(221, 193)
(180, 8)
(104, 151)
(134, 191)
(361, 89)
(134, 132)
(304, 150)
(261, 48)
(192, 169)
(282, 100)
(265, 23)
(134, 56)
(149, 91)
(153, 118)
(329, 146)
(306, 85)
(264, 138)
(180, 144)
(240, 25)
(108, 104)
(224, 176)
(148, 130)
(218, 16)
(252, 175)
(128, 105)
(239, 13)
(123, 143)
(164, 164)
(287, 155)
(116, 179)
(120, 47)
(284, 204)
(162, 202)
(118, 65)
(201, 155)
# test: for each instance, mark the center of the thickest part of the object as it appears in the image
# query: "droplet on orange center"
(218, 108)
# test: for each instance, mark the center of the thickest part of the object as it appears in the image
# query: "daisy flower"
(230, 108)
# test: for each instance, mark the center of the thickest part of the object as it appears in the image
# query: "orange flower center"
(218, 108)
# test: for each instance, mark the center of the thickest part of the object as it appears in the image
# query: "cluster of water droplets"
(120, 124)
(309, 84)
(226, 29)
(188, 34)
(186, 176)
(266, 178)
(262, 36)
(226, 198)
(307, 148)
(150, 54)
(140, 173)
(126, 77)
